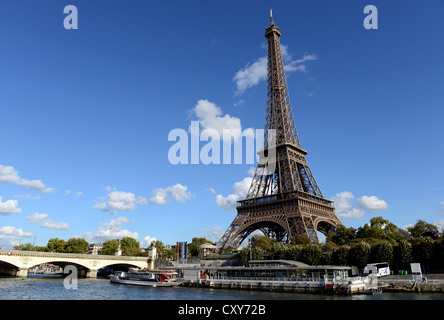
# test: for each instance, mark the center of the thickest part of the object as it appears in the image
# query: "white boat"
(150, 278)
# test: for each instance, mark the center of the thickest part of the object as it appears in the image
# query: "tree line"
(378, 241)
(128, 245)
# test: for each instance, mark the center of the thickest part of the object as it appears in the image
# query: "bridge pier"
(14, 272)
(22, 272)
(91, 273)
(87, 273)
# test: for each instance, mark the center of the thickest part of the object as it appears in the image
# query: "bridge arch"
(19, 262)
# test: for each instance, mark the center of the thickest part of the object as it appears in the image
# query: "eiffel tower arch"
(284, 199)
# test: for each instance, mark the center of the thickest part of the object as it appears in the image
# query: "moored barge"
(280, 275)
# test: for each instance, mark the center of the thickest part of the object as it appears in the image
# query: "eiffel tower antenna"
(284, 201)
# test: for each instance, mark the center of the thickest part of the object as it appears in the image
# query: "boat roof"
(271, 265)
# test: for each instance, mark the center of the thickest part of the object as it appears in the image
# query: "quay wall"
(396, 283)
(410, 286)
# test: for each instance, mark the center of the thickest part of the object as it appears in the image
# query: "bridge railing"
(68, 255)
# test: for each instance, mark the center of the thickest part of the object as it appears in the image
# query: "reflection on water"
(44, 288)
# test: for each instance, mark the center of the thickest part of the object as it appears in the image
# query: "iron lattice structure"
(284, 199)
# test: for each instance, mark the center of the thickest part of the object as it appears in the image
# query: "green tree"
(24, 247)
(340, 255)
(158, 245)
(110, 247)
(424, 251)
(423, 229)
(161, 251)
(383, 252)
(439, 253)
(326, 257)
(56, 245)
(261, 241)
(378, 230)
(243, 257)
(129, 246)
(193, 247)
(257, 253)
(294, 253)
(282, 253)
(359, 254)
(403, 254)
(275, 245)
(311, 254)
(76, 245)
(300, 240)
(229, 249)
(342, 235)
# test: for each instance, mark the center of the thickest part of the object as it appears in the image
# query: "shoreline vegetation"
(377, 241)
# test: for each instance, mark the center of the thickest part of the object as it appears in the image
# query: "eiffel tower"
(284, 199)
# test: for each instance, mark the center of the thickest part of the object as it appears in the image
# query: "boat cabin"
(269, 270)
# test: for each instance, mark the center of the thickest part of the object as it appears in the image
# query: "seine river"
(39, 288)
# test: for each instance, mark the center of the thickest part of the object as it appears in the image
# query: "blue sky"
(85, 114)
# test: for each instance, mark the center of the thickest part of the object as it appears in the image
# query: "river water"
(44, 288)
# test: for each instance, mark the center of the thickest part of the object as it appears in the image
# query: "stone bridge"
(16, 262)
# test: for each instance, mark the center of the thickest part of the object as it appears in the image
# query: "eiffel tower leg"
(310, 230)
(300, 225)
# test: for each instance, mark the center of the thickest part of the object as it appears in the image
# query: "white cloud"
(11, 236)
(146, 242)
(119, 200)
(27, 196)
(211, 190)
(8, 207)
(77, 194)
(441, 211)
(177, 192)
(238, 103)
(41, 218)
(36, 217)
(213, 234)
(160, 196)
(250, 75)
(240, 189)
(344, 207)
(211, 117)
(10, 175)
(110, 230)
(297, 65)
(372, 204)
(13, 231)
(227, 203)
(55, 225)
(439, 224)
(251, 171)
(255, 72)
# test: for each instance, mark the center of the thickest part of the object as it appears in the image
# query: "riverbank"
(388, 284)
(405, 283)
